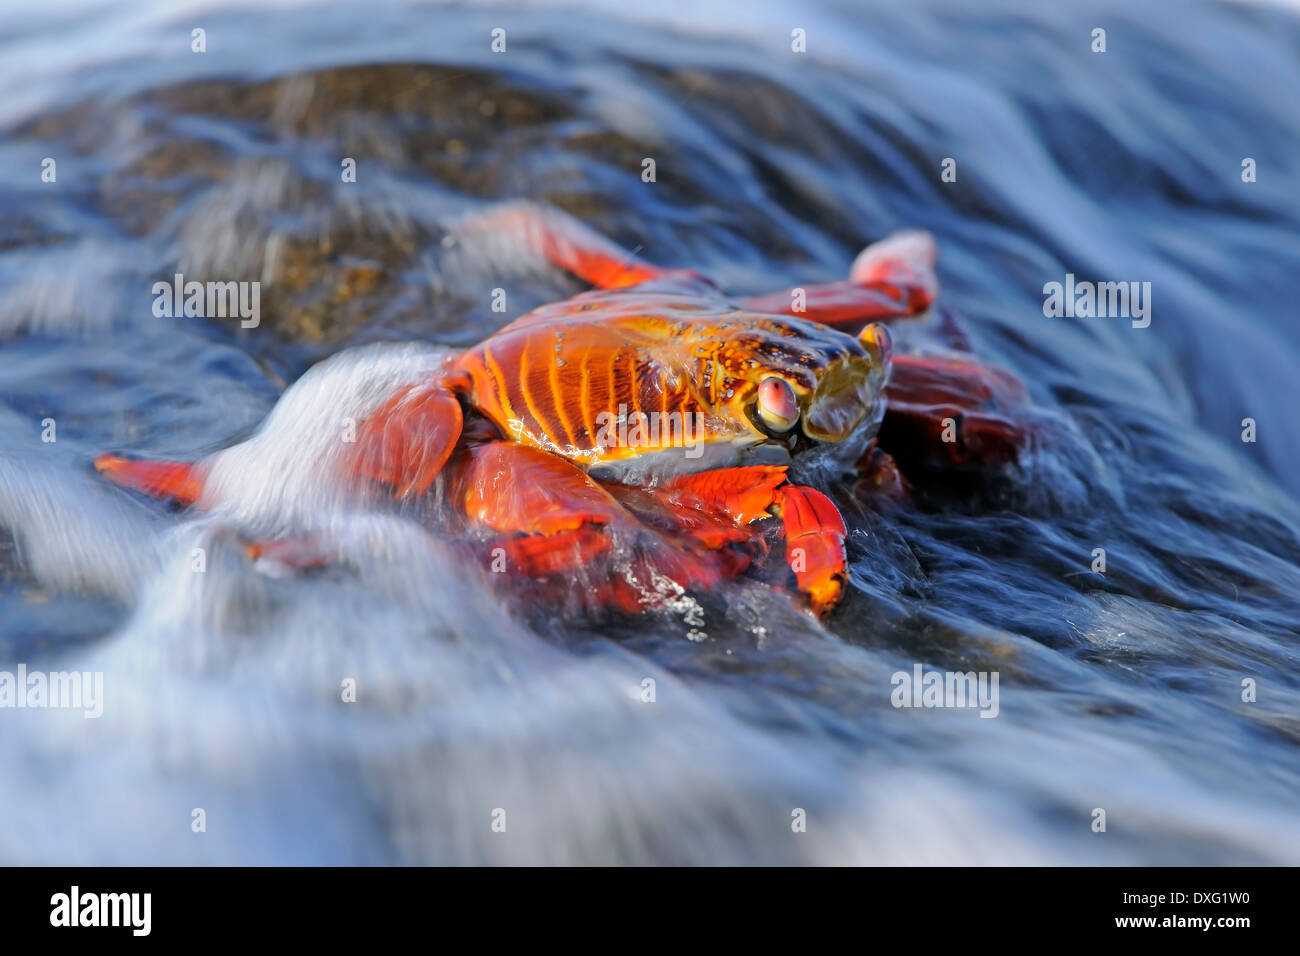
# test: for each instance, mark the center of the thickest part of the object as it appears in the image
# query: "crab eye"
(776, 404)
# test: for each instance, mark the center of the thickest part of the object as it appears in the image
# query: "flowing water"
(1120, 691)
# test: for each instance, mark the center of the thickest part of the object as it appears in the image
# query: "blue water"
(1120, 691)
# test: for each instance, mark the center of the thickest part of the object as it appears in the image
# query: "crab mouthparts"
(844, 397)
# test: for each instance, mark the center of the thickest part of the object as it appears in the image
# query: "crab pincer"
(814, 544)
(812, 526)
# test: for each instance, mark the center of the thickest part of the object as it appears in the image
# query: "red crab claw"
(159, 479)
(814, 529)
(744, 494)
(814, 545)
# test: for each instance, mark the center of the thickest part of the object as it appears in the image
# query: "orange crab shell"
(605, 378)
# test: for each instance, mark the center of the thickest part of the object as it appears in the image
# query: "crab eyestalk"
(848, 391)
(777, 406)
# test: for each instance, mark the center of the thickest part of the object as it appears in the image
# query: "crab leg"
(950, 411)
(890, 279)
(184, 483)
(552, 508)
(566, 243)
(557, 517)
(159, 479)
(404, 443)
(553, 519)
(408, 439)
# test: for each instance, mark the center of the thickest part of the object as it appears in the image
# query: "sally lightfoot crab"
(655, 418)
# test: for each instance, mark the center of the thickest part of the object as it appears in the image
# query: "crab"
(655, 416)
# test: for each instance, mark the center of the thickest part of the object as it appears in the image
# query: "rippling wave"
(1120, 691)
